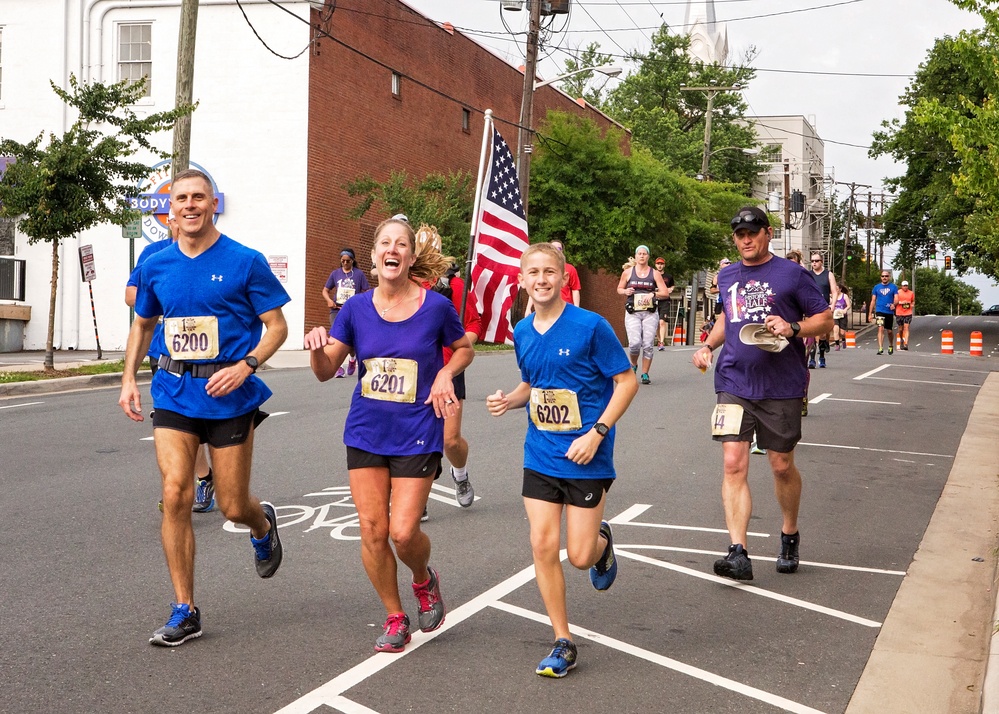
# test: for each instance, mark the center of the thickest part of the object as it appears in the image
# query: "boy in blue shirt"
(576, 383)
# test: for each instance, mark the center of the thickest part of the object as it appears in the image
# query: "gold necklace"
(397, 303)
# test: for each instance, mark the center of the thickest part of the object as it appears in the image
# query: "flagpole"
(486, 142)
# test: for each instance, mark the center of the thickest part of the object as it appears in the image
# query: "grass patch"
(492, 347)
(93, 368)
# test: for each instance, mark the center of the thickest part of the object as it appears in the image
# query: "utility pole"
(849, 219)
(787, 207)
(185, 85)
(870, 225)
(710, 93)
(524, 131)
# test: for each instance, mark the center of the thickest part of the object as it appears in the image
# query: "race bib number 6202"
(555, 410)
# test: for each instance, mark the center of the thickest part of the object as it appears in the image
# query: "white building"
(708, 38)
(797, 186)
(249, 136)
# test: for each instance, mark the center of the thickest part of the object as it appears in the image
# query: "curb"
(66, 384)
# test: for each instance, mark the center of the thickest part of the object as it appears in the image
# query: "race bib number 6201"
(192, 337)
(390, 379)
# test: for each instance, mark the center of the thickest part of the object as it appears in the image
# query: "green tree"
(928, 209)
(670, 122)
(601, 203)
(71, 183)
(938, 293)
(441, 200)
(578, 85)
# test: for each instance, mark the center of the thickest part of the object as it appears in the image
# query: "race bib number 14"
(726, 420)
(192, 337)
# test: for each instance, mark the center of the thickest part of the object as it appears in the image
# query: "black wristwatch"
(601, 429)
(795, 329)
(252, 361)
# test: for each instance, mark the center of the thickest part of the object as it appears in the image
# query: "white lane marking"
(880, 451)
(625, 519)
(863, 401)
(908, 368)
(820, 398)
(698, 551)
(26, 404)
(450, 498)
(926, 381)
(147, 438)
(667, 662)
(865, 375)
(751, 589)
(327, 693)
(342, 704)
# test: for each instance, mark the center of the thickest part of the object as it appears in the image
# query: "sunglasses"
(816, 260)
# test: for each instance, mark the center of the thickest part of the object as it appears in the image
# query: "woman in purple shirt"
(394, 432)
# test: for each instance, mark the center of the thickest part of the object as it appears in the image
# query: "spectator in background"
(713, 290)
(342, 284)
(665, 304)
(904, 307)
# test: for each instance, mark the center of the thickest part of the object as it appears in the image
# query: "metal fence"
(12, 271)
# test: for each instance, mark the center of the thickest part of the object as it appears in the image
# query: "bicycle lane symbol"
(320, 516)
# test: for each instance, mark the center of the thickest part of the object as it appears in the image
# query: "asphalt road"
(84, 583)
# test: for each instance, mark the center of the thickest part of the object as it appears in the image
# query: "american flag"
(500, 240)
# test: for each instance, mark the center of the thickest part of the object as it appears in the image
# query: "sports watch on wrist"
(795, 329)
(601, 429)
(252, 361)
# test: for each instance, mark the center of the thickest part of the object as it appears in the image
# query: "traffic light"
(933, 251)
(946, 262)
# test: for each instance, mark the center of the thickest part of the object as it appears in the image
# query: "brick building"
(378, 88)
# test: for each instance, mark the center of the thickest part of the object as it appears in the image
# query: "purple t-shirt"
(395, 428)
(748, 294)
(354, 280)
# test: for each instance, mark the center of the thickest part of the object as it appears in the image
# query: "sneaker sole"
(392, 648)
(612, 570)
(160, 642)
(206, 509)
(549, 672)
(786, 566)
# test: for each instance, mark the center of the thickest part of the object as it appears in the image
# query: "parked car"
(994, 310)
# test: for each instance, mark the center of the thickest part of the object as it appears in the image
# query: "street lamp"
(609, 71)
(747, 152)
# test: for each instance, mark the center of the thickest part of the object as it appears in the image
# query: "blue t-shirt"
(156, 346)
(750, 293)
(228, 281)
(391, 428)
(580, 352)
(884, 295)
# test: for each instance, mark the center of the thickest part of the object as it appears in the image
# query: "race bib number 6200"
(555, 410)
(192, 337)
(390, 379)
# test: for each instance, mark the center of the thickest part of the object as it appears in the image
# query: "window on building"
(466, 120)
(396, 84)
(771, 153)
(135, 54)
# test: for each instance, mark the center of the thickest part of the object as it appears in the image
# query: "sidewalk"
(34, 361)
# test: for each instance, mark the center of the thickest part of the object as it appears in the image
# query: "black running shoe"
(267, 551)
(787, 561)
(736, 564)
(184, 624)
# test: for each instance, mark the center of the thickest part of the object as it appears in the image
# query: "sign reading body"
(153, 199)
(87, 267)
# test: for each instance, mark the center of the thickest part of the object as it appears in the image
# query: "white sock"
(459, 474)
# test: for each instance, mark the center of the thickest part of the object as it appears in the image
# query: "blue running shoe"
(267, 551)
(560, 661)
(184, 624)
(604, 571)
(204, 494)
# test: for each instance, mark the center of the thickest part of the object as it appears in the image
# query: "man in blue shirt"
(214, 296)
(883, 299)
